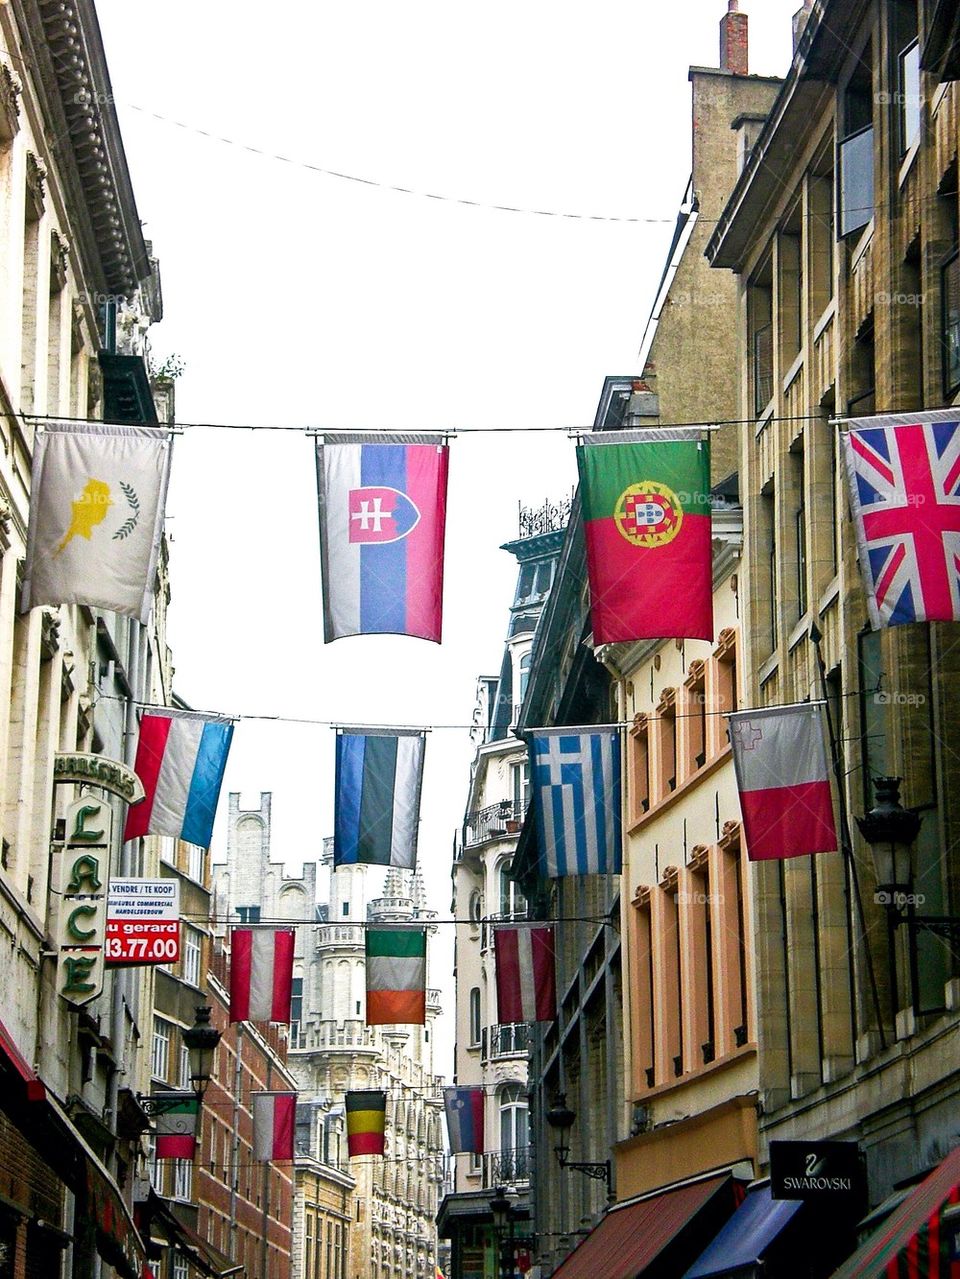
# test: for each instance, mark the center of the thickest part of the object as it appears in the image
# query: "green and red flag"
(646, 519)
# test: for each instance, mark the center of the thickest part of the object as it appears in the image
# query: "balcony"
(340, 935)
(498, 821)
(511, 1040)
(506, 1167)
(347, 1036)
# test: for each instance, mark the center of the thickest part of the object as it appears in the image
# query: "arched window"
(514, 1128)
(524, 676)
(475, 1016)
(512, 900)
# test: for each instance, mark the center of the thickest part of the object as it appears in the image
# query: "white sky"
(299, 299)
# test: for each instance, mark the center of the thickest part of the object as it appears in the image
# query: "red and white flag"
(261, 974)
(273, 1119)
(526, 973)
(784, 782)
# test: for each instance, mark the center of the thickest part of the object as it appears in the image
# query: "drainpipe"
(237, 1085)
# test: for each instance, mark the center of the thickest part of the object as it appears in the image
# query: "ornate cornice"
(10, 91)
(36, 187)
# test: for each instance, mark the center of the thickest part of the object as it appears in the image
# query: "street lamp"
(890, 830)
(501, 1213)
(561, 1118)
(201, 1040)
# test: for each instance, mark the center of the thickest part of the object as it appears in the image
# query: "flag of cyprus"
(96, 516)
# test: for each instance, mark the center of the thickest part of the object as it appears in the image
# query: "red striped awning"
(915, 1241)
(635, 1234)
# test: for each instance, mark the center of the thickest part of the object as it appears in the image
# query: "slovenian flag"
(377, 800)
(261, 974)
(273, 1122)
(464, 1111)
(382, 516)
(784, 784)
(181, 758)
(526, 981)
(366, 1121)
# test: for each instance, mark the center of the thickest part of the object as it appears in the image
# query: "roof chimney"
(733, 40)
(800, 21)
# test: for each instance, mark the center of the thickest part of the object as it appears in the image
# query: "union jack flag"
(904, 475)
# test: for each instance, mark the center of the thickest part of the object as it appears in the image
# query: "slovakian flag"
(647, 525)
(526, 973)
(904, 479)
(396, 961)
(576, 788)
(273, 1123)
(366, 1121)
(261, 974)
(464, 1111)
(177, 1125)
(382, 513)
(784, 784)
(377, 800)
(181, 758)
(96, 516)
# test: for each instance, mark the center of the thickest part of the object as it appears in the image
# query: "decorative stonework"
(36, 187)
(10, 91)
(59, 257)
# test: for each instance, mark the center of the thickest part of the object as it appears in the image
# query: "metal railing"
(506, 1166)
(494, 822)
(510, 1040)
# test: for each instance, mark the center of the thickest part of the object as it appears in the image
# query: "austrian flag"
(781, 768)
(382, 515)
(273, 1122)
(904, 476)
(261, 974)
(526, 981)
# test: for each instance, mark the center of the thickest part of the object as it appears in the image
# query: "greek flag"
(576, 780)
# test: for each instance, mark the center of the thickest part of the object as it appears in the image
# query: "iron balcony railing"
(496, 821)
(508, 1166)
(511, 1040)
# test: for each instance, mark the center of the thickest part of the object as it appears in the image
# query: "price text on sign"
(135, 942)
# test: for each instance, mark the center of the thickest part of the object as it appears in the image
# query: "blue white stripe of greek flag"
(576, 777)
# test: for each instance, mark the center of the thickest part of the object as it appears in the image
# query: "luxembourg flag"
(181, 758)
(382, 516)
(784, 784)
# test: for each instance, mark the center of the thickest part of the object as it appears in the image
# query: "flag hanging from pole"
(181, 759)
(396, 962)
(97, 499)
(904, 482)
(377, 800)
(382, 515)
(576, 786)
(784, 783)
(177, 1125)
(261, 974)
(366, 1121)
(464, 1110)
(273, 1123)
(647, 526)
(526, 968)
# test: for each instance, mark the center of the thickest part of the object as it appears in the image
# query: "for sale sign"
(143, 921)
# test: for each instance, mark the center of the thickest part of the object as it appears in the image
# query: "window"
(192, 947)
(475, 1016)
(514, 1124)
(296, 1012)
(800, 532)
(855, 152)
(667, 741)
(790, 289)
(525, 661)
(248, 914)
(181, 1267)
(760, 318)
(950, 325)
(512, 901)
(520, 777)
(346, 908)
(196, 862)
(640, 766)
(695, 721)
(904, 31)
(160, 1054)
(183, 1074)
(302, 1130)
(183, 1179)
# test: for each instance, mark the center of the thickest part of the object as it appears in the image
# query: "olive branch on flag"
(127, 527)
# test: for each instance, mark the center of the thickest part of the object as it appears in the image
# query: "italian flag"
(177, 1125)
(646, 519)
(396, 975)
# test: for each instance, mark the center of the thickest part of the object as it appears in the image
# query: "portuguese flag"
(366, 1120)
(646, 519)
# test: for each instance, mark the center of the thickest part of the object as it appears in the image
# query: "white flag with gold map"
(96, 516)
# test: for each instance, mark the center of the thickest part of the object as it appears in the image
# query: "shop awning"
(635, 1234)
(16, 1060)
(197, 1250)
(746, 1236)
(917, 1234)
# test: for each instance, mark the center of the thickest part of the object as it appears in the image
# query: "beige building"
(843, 234)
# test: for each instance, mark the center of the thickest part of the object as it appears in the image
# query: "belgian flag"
(366, 1119)
(647, 525)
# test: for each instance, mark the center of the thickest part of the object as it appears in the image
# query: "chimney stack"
(734, 54)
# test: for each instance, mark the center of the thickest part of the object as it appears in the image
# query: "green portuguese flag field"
(646, 518)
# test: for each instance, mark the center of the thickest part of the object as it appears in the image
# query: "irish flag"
(366, 1119)
(646, 519)
(396, 975)
(784, 784)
